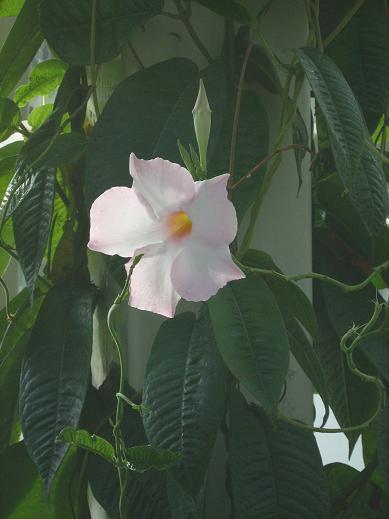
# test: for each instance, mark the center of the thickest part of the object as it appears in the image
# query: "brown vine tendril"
(263, 162)
(119, 443)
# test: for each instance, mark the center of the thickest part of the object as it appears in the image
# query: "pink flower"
(183, 229)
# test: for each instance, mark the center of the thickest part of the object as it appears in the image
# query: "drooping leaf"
(55, 374)
(351, 400)
(92, 443)
(357, 167)
(361, 51)
(146, 495)
(383, 446)
(251, 147)
(21, 489)
(300, 137)
(32, 220)
(345, 123)
(146, 115)
(184, 395)
(66, 24)
(275, 470)
(260, 68)
(10, 7)
(39, 115)
(251, 337)
(20, 47)
(9, 118)
(227, 8)
(43, 80)
(144, 457)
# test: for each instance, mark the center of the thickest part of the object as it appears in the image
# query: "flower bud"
(202, 124)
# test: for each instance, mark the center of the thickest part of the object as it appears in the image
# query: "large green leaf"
(146, 494)
(251, 337)
(20, 47)
(184, 395)
(67, 148)
(251, 147)
(21, 490)
(10, 118)
(55, 374)
(66, 24)
(275, 470)
(43, 80)
(383, 446)
(358, 168)
(345, 123)
(351, 400)
(230, 8)
(361, 51)
(39, 115)
(10, 7)
(32, 221)
(146, 115)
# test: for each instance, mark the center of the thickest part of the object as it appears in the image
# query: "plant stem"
(191, 31)
(119, 405)
(93, 58)
(9, 314)
(136, 55)
(320, 277)
(342, 24)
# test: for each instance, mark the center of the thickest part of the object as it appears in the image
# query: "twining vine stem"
(342, 24)
(93, 57)
(119, 444)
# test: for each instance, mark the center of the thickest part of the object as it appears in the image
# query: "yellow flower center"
(179, 225)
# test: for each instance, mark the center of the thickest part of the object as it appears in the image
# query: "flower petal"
(163, 184)
(151, 287)
(121, 223)
(199, 271)
(212, 214)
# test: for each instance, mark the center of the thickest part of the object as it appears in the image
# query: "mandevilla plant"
(158, 195)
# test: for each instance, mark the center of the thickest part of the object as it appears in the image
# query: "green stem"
(339, 28)
(320, 277)
(119, 450)
(93, 58)
(191, 31)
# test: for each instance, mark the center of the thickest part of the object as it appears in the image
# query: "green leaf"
(252, 146)
(287, 293)
(301, 137)
(251, 337)
(67, 148)
(20, 47)
(43, 80)
(39, 115)
(146, 495)
(383, 446)
(66, 24)
(275, 470)
(369, 193)
(260, 68)
(144, 457)
(9, 393)
(361, 51)
(84, 440)
(21, 489)
(145, 115)
(55, 374)
(184, 395)
(10, 7)
(230, 8)
(12, 333)
(351, 400)
(10, 118)
(32, 221)
(345, 123)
